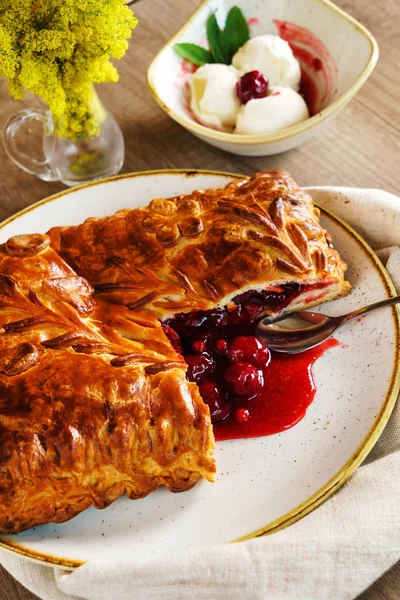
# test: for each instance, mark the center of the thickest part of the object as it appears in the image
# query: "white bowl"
(352, 53)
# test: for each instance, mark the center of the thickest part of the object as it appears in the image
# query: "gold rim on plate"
(353, 462)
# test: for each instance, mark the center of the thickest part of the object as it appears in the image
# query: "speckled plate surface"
(263, 483)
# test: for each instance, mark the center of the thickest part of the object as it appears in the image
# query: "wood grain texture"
(360, 148)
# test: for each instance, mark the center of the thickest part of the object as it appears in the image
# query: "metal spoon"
(299, 331)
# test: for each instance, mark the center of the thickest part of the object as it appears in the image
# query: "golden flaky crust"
(199, 250)
(94, 401)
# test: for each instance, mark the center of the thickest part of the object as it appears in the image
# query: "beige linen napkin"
(334, 553)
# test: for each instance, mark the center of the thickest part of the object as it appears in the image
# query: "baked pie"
(96, 398)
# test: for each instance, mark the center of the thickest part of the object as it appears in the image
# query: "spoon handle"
(367, 309)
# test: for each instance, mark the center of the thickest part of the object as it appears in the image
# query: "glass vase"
(94, 153)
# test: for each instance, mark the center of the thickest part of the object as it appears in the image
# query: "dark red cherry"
(209, 338)
(238, 316)
(252, 85)
(253, 310)
(219, 318)
(249, 349)
(173, 338)
(178, 326)
(241, 415)
(214, 397)
(243, 379)
(221, 346)
(199, 347)
(200, 366)
(196, 319)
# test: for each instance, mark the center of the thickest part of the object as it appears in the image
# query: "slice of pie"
(95, 400)
(258, 238)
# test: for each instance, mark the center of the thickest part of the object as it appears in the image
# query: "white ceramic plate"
(262, 483)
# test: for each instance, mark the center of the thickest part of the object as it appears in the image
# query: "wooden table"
(361, 147)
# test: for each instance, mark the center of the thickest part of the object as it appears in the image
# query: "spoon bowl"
(300, 331)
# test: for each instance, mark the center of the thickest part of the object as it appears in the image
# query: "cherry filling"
(250, 392)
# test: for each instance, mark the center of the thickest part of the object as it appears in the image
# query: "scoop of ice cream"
(271, 55)
(282, 108)
(213, 97)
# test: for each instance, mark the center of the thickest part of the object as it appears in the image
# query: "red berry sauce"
(319, 71)
(288, 391)
(250, 391)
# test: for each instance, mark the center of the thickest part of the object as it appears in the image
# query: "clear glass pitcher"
(72, 161)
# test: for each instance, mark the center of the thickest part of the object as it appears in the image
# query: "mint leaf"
(218, 47)
(236, 32)
(223, 43)
(193, 53)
